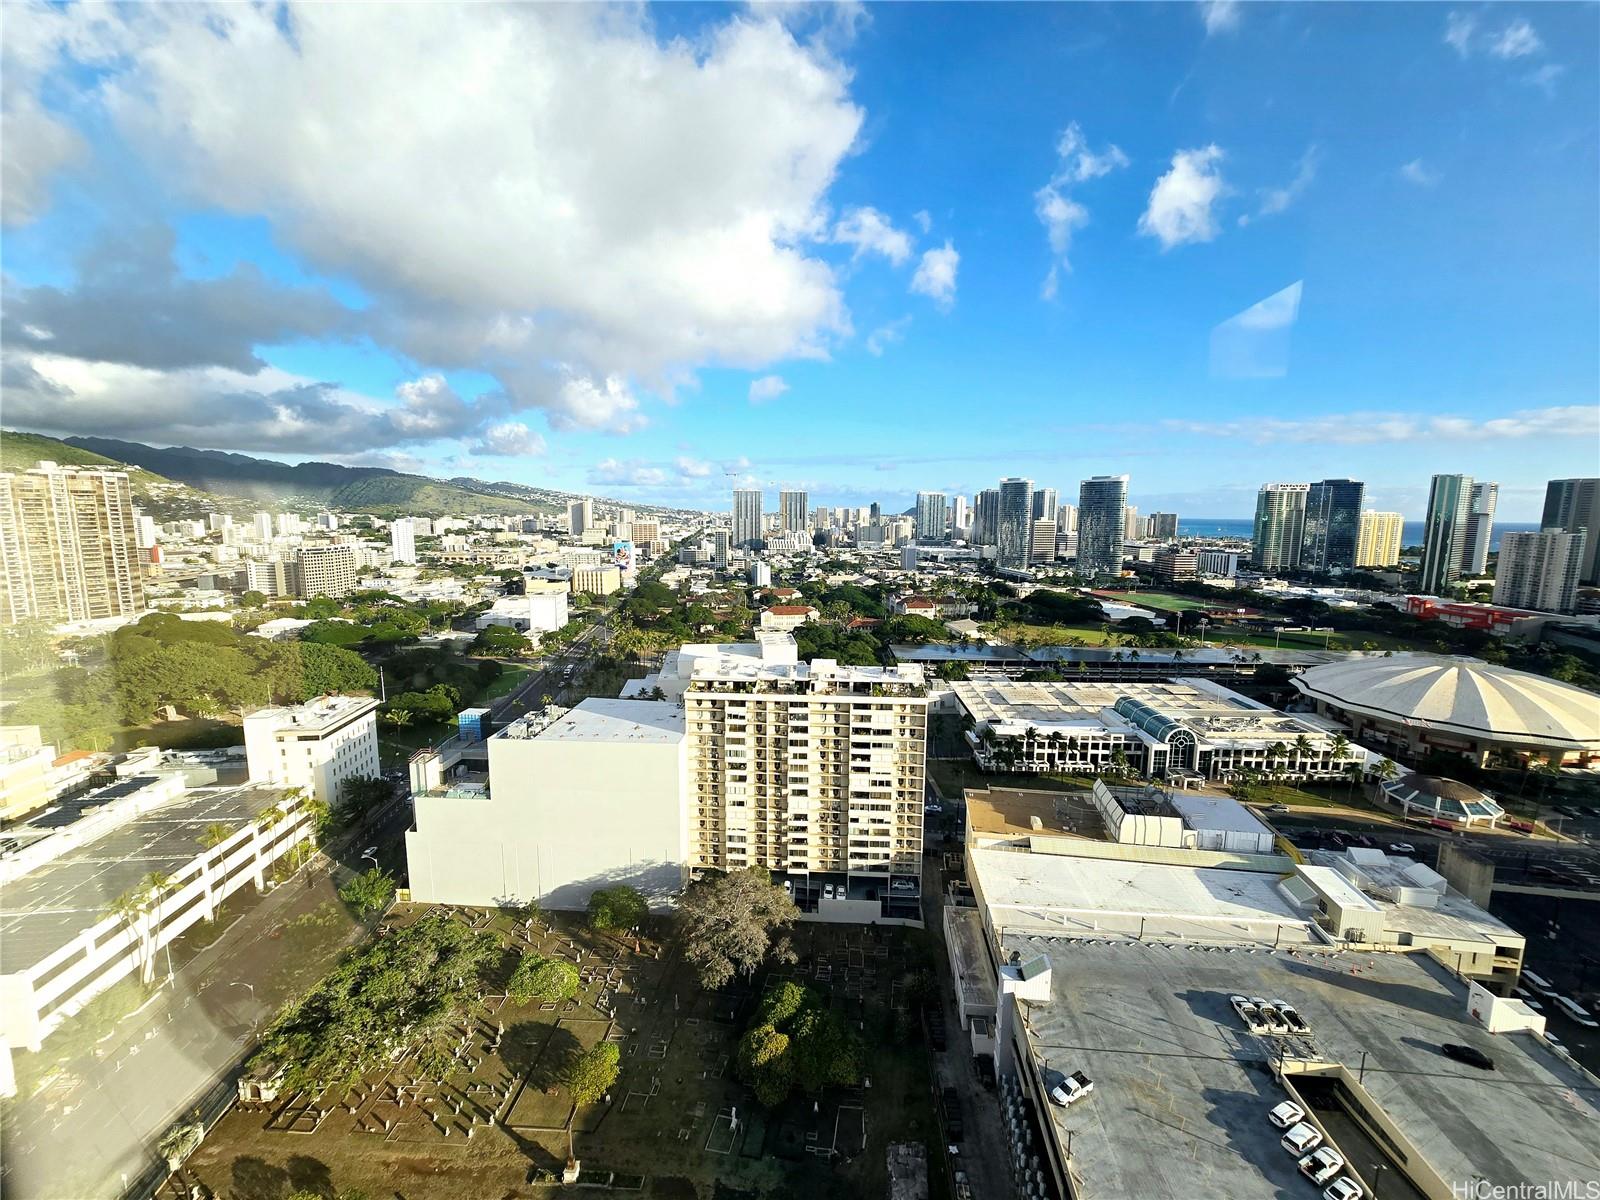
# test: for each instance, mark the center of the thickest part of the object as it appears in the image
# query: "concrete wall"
(1469, 873)
(562, 818)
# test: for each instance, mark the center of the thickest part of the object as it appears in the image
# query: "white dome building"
(1415, 703)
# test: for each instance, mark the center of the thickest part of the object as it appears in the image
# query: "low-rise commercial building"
(1175, 729)
(315, 746)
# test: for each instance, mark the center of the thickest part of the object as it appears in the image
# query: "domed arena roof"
(1460, 695)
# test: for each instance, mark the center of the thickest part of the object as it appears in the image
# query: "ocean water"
(1411, 534)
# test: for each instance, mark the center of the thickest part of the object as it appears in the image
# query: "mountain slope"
(355, 489)
(21, 451)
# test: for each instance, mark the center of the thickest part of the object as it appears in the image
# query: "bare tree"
(732, 923)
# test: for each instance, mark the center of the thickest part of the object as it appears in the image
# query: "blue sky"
(650, 253)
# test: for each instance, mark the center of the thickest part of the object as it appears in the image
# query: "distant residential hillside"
(353, 489)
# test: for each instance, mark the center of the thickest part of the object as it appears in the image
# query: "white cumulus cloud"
(870, 232)
(1180, 208)
(500, 210)
(1057, 210)
(1516, 40)
(1220, 16)
(1383, 428)
(936, 275)
(768, 387)
(1420, 173)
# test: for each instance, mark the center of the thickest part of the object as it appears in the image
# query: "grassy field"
(1047, 635)
(1165, 601)
(952, 776)
(665, 1130)
(512, 676)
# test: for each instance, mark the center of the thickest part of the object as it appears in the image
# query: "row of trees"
(199, 668)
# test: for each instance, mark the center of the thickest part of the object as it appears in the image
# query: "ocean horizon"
(1411, 533)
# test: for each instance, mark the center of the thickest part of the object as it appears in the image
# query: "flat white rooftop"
(1126, 897)
(323, 713)
(1202, 811)
(603, 720)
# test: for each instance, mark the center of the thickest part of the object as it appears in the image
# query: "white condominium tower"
(67, 546)
(1378, 542)
(1539, 570)
(1480, 528)
(580, 516)
(792, 511)
(930, 516)
(402, 540)
(1280, 525)
(1102, 524)
(806, 768)
(746, 516)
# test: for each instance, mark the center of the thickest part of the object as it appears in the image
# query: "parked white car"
(1301, 1139)
(1321, 1165)
(1287, 1114)
(1343, 1188)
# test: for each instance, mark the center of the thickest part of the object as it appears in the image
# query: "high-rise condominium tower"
(1332, 524)
(1571, 505)
(792, 511)
(930, 516)
(580, 516)
(67, 549)
(959, 517)
(1163, 526)
(1444, 530)
(402, 540)
(1480, 528)
(1539, 570)
(1280, 525)
(1014, 524)
(804, 768)
(986, 517)
(1378, 544)
(746, 516)
(1044, 504)
(1102, 524)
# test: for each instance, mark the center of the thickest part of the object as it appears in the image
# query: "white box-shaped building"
(315, 746)
(591, 799)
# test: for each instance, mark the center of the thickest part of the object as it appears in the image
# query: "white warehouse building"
(572, 800)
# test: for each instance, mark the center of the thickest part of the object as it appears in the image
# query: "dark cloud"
(130, 305)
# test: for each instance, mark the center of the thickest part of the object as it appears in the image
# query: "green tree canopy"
(613, 908)
(731, 923)
(542, 980)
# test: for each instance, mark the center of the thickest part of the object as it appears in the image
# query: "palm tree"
(1276, 754)
(1302, 751)
(214, 835)
(1353, 774)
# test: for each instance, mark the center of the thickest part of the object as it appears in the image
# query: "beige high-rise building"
(812, 769)
(1378, 539)
(326, 571)
(1044, 542)
(68, 550)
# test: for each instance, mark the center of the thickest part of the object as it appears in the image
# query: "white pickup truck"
(1071, 1089)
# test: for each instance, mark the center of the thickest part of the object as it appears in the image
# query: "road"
(90, 1140)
